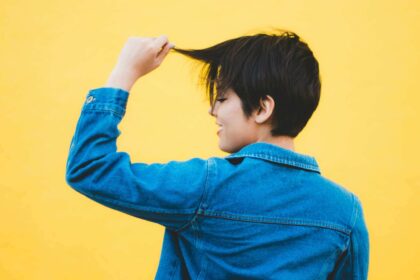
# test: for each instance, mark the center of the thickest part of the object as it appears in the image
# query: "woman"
(262, 212)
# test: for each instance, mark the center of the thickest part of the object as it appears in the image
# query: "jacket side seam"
(324, 266)
(353, 240)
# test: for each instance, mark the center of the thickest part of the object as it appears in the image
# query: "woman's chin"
(225, 148)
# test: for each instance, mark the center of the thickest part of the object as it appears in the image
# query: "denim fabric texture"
(264, 212)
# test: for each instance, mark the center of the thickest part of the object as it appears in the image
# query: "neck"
(281, 141)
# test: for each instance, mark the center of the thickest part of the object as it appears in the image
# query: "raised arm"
(166, 193)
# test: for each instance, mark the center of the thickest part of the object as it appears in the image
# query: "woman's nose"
(211, 111)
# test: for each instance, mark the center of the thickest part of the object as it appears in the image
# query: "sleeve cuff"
(107, 99)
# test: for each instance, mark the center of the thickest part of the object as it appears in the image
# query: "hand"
(139, 56)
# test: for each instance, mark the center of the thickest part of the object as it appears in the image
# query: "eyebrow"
(220, 91)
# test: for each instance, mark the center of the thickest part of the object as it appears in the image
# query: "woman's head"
(274, 75)
(279, 65)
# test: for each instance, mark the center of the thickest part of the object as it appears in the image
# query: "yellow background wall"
(364, 134)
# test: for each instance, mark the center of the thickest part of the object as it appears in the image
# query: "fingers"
(161, 41)
(165, 50)
(163, 45)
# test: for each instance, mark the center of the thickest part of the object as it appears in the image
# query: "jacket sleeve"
(354, 262)
(165, 193)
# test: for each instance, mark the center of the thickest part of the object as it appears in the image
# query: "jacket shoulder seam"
(205, 187)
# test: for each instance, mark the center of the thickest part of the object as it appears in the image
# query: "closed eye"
(221, 99)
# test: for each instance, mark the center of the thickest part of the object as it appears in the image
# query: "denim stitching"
(277, 220)
(197, 211)
(201, 208)
(116, 113)
(356, 212)
(286, 161)
(105, 106)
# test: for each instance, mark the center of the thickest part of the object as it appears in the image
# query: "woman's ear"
(265, 110)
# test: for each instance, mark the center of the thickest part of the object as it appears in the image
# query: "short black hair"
(279, 64)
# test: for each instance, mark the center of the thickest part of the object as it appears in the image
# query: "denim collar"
(274, 153)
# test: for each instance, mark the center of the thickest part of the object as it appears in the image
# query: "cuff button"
(89, 99)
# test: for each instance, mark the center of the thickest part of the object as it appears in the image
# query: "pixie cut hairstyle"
(279, 64)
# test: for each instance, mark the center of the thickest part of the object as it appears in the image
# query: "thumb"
(165, 50)
(161, 41)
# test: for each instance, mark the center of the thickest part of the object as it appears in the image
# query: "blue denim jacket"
(263, 212)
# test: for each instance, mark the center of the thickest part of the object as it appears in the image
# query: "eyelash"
(221, 99)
